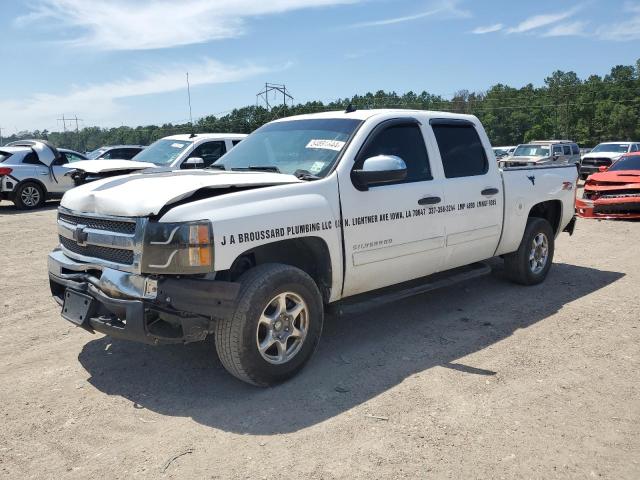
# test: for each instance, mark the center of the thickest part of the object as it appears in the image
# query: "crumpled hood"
(143, 194)
(616, 176)
(101, 166)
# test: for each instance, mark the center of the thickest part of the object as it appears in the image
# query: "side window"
(575, 149)
(557, 149)
(235, 142)
(209, 152)
(72, 157)
(62, 160)
(404, 141)
(108, 155)
(634, 147)
(31, 159)
(128, 153)
(461, 150)
(566, 149)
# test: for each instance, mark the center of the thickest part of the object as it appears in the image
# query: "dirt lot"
(487, 380)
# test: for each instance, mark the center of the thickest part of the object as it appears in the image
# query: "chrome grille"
(597, 162)
(117, 226)
(115, 255)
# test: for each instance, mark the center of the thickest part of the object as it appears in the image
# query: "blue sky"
(114, 62)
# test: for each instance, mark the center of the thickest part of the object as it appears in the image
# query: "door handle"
(490, 191)
(429, 200)
(44, 173)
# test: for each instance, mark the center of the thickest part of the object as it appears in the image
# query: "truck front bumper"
(138, 307)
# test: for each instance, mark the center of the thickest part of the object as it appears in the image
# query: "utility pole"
(189, 97)
(64, 123)
(274, 87)
(0, 136)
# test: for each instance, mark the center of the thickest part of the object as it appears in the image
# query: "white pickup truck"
(304, 213)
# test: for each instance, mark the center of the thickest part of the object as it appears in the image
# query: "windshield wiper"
(258, 168)
(214, 166)
(305, 175)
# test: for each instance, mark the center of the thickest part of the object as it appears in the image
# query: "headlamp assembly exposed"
(178, 248)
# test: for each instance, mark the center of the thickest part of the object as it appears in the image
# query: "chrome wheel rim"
(539, 254)
(282, 328)
(30, 196)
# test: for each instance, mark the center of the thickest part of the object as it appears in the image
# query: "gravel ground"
(483, 380)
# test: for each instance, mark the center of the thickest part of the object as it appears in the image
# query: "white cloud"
(488, 29)
(572, 29)
(102, 102)
(148, 24)
(538, 21)
(443, 8)
(626, 30)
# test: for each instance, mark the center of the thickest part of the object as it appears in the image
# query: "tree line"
(588, 111)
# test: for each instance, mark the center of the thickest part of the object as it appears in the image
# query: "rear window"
(4, 156)
(461, 151)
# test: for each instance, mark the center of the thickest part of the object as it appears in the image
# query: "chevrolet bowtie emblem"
(80, 236)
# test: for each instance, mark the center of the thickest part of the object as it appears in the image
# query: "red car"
(613, 192)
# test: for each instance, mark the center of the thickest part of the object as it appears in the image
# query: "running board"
(370, 300)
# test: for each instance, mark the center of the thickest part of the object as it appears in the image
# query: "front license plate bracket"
(77, 307)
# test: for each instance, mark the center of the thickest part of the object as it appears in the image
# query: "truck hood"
(529, 159)
(144, 194)
(616, 177)
(102, 166)
(610, 155)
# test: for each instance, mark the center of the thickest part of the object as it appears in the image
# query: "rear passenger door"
(473, 206)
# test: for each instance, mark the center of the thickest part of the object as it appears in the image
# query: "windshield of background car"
(96, 153)
(611, 148)
(309, 145)
(531, 151)
(162, 152)
(632, 162)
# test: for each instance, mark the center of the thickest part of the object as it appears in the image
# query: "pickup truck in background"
(197, 150)
(307, 212)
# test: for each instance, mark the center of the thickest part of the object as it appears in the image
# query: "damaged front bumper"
(152, 310)
(609, 208)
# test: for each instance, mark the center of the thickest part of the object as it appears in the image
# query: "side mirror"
(380, 169)
(602, 168)
(194, 162)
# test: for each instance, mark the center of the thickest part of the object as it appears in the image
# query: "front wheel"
(275, 328)
(530, 264)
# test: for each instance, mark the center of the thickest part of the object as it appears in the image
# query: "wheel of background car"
(530, 264)
(275, 328)
(29, 195)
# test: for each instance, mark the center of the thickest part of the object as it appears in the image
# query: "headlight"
(178, 248)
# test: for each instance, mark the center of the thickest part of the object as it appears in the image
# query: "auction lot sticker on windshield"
(326, 144)
(177, 145)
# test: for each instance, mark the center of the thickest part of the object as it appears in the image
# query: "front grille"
(621, 194)
(597, 162)
(116, 226)
(618, 209)
(115, 255)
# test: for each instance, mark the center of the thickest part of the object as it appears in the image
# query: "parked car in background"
(604, 154)
(174, 152)
(613, 192)
(121, 152)
(32, 171)
(544, 152)
(502, 152)
(72, 155)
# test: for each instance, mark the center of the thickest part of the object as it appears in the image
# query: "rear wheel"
(29, 195)
(530, 264)
(275, 328)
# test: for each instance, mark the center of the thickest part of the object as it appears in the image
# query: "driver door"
(390, 232)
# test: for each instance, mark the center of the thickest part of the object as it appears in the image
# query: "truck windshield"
(631, 162)
(162, 152)
(95, 153)
(611, 148)
(311, 146)
(531, 151)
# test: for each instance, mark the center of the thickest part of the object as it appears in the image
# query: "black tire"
(29, 196)
(518, 266)
(237, 336)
